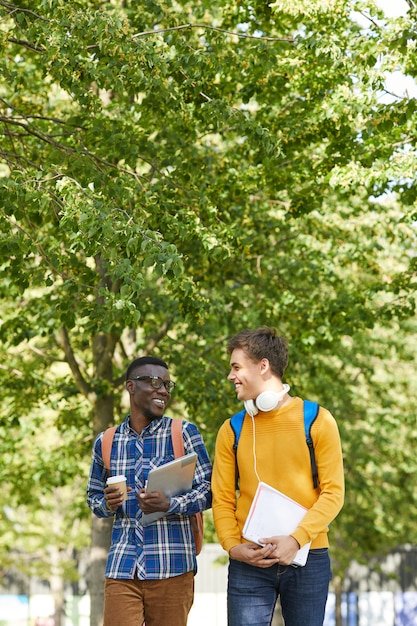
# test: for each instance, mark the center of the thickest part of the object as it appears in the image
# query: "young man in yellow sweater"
(272, 449)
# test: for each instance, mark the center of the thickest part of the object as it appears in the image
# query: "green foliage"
(171, 175)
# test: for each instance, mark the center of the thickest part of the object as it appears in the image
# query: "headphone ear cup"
(250, 407)
(267, 400)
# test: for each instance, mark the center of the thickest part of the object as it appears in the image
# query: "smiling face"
(247, 376)
(146, 402)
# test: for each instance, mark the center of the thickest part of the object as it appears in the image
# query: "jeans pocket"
(319, 557)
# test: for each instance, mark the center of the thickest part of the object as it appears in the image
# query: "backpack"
(311, 410)
(197, 520)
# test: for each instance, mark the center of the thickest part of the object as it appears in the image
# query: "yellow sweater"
(282, 461)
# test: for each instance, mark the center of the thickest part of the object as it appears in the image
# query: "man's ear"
(264, 366)
(130, 386)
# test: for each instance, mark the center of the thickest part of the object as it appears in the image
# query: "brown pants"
(164, 602)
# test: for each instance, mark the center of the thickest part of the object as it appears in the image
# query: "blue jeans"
(252, 592)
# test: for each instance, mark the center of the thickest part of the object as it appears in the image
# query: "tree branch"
(81, 152)
(38, 245)
(26, 44)
(44, 355)
(153, 340)
(13, 9)
(64, 342)
(369, 18)
(12, 157)
(207, 27)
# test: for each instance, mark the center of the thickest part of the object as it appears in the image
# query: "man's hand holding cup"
(116, 492)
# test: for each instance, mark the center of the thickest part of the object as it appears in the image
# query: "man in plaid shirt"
(150, 569)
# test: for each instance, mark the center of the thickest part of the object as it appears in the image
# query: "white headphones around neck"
(266, 401)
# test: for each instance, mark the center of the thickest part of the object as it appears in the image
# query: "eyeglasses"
(156, 382)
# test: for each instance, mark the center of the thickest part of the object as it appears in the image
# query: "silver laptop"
(172, 479)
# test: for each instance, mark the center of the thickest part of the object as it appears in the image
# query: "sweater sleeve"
(223, 487)
(328, 452)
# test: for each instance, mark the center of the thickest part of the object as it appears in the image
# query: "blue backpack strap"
(311, 410)
(236, 422)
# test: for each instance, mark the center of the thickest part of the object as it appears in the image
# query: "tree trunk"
(337, 586)
(100, 544)
(57, 586)
(100, 529)
(103, 348)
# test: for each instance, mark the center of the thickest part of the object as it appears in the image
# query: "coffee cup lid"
(116, 479)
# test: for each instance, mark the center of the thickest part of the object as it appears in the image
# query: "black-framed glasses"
(156, 382)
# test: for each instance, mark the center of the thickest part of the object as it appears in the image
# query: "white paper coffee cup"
(120, 482)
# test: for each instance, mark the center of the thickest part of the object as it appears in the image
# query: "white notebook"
(172, 479)
(272, 513)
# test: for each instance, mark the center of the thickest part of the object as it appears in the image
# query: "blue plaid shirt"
(165, 548)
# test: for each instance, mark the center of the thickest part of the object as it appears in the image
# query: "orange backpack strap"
(106, 444)
(197, 520)
(176, 435)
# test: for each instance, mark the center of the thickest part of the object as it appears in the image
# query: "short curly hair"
(144, 360)
(262, 343)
